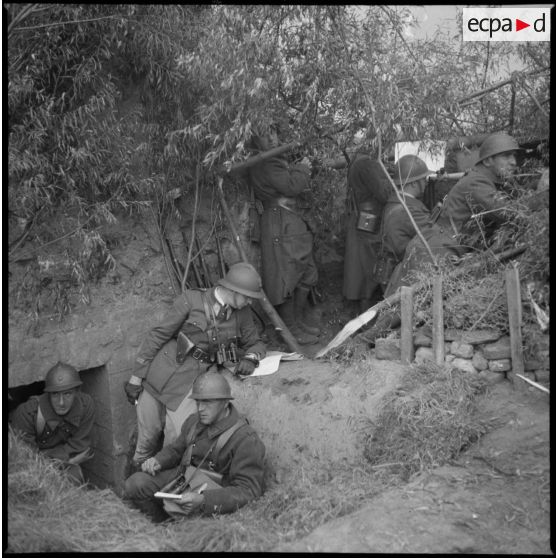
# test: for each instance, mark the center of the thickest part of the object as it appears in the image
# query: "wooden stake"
(407, 347)
(513, 291)
(438, 321)
(276, 320)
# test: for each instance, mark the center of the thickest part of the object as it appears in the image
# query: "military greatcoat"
(286, 237)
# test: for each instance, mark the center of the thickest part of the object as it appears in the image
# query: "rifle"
(203, 263)
(222, 266)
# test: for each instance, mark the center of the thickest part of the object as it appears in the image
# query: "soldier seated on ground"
(59, 422)
(216, 446)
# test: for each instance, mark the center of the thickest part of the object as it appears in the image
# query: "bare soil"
(496, 498)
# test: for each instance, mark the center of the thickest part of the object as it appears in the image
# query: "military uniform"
(199, 315)
(400, 239)
(474, 193)
(286, 238)
(240, 461)
(61, 437)
(369, 188)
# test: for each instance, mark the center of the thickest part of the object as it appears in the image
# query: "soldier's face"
(210, 410)
(238, 300)
(503, 164)
(62, 401)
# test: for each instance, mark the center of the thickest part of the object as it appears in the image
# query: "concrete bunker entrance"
(100, 470)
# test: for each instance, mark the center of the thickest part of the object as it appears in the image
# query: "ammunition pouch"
(384, 267)
(367, 222)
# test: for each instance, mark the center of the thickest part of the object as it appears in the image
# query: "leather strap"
(40, 421)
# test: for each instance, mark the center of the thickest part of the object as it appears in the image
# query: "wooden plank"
(513, 292)
(407, 347)
(438, 321)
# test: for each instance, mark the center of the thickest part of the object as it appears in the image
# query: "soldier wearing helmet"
(402, 249)
(286, 236)
(59, 422)
(203, 327)
(478, 191)
(216, 443)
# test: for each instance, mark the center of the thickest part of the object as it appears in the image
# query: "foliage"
(113, 107)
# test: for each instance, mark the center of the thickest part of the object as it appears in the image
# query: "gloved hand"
(245, 367)
(132, 392)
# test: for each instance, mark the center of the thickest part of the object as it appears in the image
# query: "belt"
(284, 202)
(201, 355)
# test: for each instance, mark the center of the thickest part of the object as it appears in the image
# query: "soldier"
(399, 234)
(216, 446)
(59, 422)
(478, 191)
(202, 327)
(286, 237)
(368, 190)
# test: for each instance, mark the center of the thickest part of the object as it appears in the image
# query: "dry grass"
(46, 513)
(427, 422)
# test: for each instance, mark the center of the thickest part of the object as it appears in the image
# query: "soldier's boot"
(301, 314)
(286, 311)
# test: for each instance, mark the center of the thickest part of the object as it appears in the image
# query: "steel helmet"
(62, 377)
(211, 385)
(244, 279)
(410, 168)
(495, 144)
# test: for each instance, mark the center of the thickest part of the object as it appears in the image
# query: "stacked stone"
(483, 352)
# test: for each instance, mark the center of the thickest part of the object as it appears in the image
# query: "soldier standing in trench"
(368, 190)
(59, 423)
(203, 328)
(286, 237)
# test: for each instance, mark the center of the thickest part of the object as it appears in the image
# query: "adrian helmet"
(410, 168)
(211, 385)
(496, 144)
(243, 278)
(62, 377)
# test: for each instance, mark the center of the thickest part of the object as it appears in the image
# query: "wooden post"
(268, 308)
(513, 291)
(407, 347)
(438, 321)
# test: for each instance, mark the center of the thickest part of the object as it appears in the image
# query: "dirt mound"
(312, 413)
(494, 499)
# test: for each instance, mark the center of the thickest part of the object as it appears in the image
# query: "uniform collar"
(72, 416)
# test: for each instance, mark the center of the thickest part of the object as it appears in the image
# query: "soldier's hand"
(190, 501)
(245, 367)
(151, 466)
(306, 162)
(133, 391)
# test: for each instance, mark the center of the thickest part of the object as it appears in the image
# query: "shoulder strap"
(225, 436)
(40, 421)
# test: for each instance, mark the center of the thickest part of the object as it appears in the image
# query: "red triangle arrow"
(519, 25)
